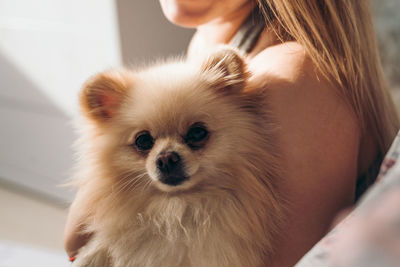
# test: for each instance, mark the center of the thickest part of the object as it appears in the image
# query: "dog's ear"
(103, 93)
(226, 69)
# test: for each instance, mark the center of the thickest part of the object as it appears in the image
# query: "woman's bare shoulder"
(297, 89)
(319, 130)
(301, 94)
(319, 138)
(286, 61)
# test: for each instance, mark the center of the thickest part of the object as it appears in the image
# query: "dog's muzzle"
(171, 169)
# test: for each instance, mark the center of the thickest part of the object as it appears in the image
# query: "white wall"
(57, 44)
(48, 48)
(146, 34)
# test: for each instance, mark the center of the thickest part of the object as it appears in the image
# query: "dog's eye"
(144, 141)
(196, 136)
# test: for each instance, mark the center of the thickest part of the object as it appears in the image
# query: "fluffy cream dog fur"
(178, 167)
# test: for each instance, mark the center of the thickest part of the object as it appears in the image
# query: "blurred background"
(48, 48)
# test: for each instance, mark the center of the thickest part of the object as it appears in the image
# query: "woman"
(319, 61)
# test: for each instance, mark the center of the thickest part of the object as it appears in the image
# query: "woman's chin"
(189, 13)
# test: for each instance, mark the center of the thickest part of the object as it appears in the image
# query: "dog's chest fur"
(178, 232)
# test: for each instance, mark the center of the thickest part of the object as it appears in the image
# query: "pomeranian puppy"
(178, 167)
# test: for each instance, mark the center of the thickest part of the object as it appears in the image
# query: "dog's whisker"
(131, 182)
(147, 185)
(125, 181)
(134, 184)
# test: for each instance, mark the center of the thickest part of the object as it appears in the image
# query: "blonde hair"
(340, 39)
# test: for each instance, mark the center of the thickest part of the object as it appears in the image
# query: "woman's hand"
(74, 239)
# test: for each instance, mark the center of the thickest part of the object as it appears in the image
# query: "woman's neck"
(218, 31)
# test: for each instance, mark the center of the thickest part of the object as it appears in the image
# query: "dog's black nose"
(167, 162)
(171, 168)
